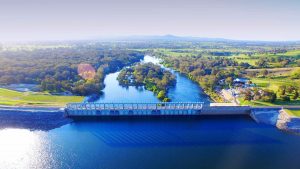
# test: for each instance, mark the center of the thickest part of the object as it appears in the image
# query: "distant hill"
(170, 37)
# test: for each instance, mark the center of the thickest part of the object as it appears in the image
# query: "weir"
(133, 109)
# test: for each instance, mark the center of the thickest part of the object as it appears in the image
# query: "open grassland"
(14, 98)
(293, 112)
(244, 58)
(278, 102)
(179, 52)
(274, 83)
(293, 53)
(275, 71)
(290, 53)
(254, 58)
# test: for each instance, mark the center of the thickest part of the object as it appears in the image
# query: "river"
(191, 143)
(185, 90)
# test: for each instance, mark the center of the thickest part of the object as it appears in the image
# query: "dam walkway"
(133, 109)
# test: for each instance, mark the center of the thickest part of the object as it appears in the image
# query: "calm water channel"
(185, 90)
(218, 142)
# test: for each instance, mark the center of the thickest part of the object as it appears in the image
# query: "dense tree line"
(205, 71)
(153, 77)
(55, 69)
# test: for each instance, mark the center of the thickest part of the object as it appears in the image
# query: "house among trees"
(241, 81)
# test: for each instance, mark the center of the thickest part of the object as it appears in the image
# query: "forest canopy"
(56, 69)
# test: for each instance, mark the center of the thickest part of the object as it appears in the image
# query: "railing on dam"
(133, 109)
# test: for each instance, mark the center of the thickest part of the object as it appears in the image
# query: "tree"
(282, 90)
(262, 63)
(295, 95)
(229, 81)
(285, 98)
(248, 95)
(166, 99)
(161, 95)
(268, 95)
(264, 72)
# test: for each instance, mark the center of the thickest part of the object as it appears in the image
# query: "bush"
(295, 95)
(166, 99)
(268, 96)
(285, 98)
(161, 95)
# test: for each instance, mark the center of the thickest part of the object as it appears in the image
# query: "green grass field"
(14, 98)
(293, 53)
(274, 83)
(244, 58)
(276, 103)
(293, 112)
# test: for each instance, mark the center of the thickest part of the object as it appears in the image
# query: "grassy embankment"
(295, 113)
(14, 98)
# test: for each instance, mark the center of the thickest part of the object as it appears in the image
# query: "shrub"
(285, 98)
(295, 95)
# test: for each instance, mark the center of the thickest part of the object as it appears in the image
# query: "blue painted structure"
(133, 109)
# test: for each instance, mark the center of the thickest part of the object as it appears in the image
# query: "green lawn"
(293, 112)
(293, 53)
(244, 58)
(278, 102)
(274, 83)
(14, 98)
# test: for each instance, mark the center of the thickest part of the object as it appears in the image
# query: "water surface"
(185, 90)
(224, 143)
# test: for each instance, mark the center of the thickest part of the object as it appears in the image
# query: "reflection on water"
(185, 90)
(33, 120)
(20, 148)
(113, 92)
(226, 143)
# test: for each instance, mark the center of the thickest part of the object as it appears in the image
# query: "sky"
(272, 20)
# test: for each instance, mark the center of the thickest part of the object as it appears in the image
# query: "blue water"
(226, 143)
(113, 92)
(185, 90)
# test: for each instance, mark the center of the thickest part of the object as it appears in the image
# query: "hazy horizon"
(256, 20)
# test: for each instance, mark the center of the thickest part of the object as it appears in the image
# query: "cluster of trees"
(288, 92)
(55, 69)
(207, 71)
(264, 62)
(285, 93)
(153, 77)
(265, 95)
